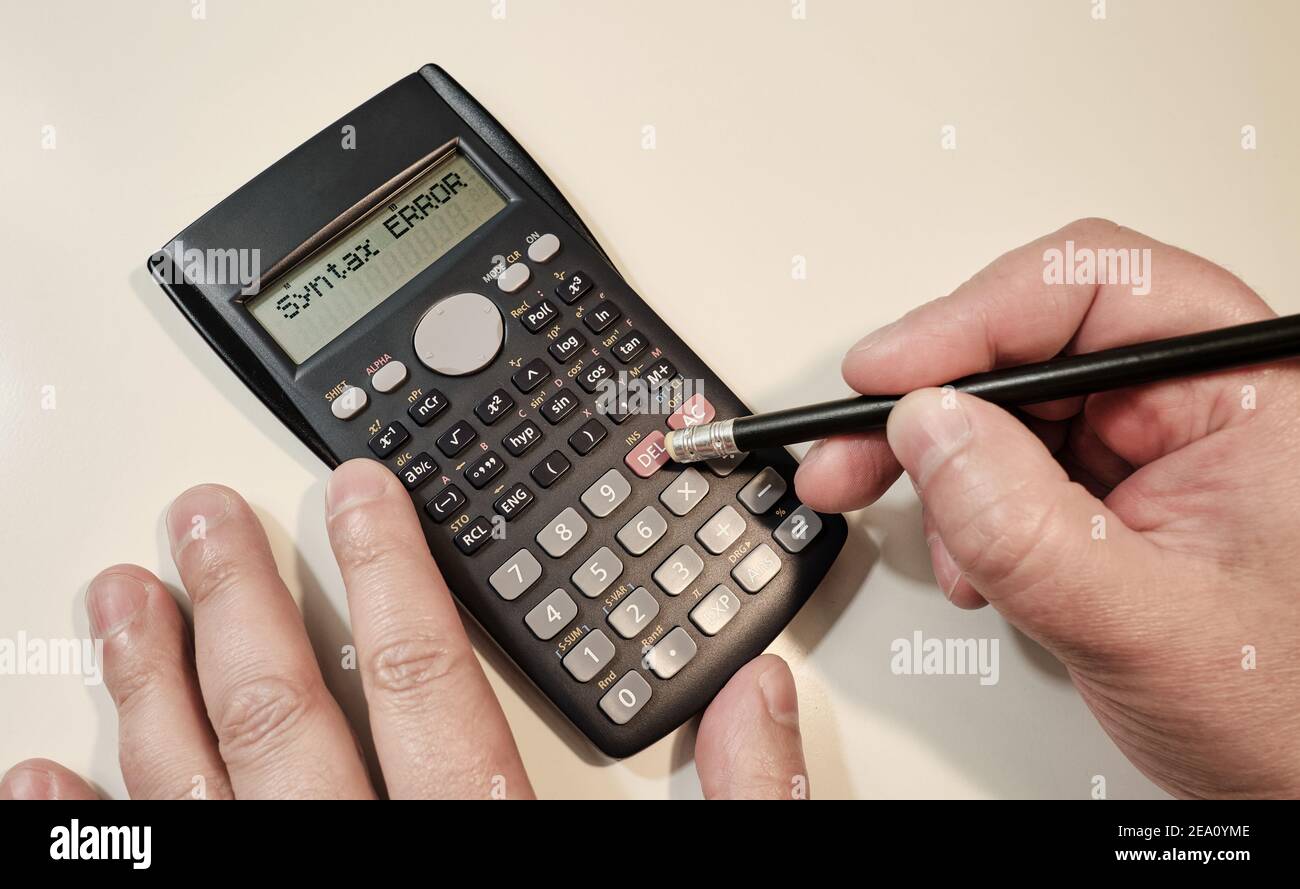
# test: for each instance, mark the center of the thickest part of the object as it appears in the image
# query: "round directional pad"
(459, 334)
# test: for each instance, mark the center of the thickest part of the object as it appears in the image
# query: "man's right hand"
(1148, 537)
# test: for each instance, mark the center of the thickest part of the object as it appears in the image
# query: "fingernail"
(194, 513)
(947, 574)
(874, 338)
(111, 601)
(354, 483)
(28, 784)
(780, 697)
(925, 429)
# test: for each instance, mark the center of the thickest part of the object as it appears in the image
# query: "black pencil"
(1244, 344)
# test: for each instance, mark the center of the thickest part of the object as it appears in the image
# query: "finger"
(749, 746)
(165, 743)
(847, 472)
(439, 729)
(1007, 314)
(43, 779)
(279, 731)
(1019, 531)
(947, 573)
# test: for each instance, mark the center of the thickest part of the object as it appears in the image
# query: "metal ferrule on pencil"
(703, 442)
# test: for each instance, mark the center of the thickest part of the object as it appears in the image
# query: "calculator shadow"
(221, 378)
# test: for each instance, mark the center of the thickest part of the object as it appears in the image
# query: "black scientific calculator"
(409, 286)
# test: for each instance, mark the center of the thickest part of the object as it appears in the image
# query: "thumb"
(1003, 518)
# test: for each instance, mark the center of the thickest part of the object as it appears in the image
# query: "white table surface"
(775, 137)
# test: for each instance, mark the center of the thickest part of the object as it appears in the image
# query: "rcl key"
(474, 536)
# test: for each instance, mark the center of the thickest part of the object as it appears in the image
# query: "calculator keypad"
(551, 615)
(757, 569)
(685, 491)
(590, 655)
(798, 530)
(671, 654)
(531, 375)
(679, 570)
(494, 407)
(457, 438)
(626, 698)
(390, 438)
(629, 584)
(598, 572)
(562, 533)
(715, 610)
(589, 434)
(763, 491)
(722, 530)
(643, 531)
(602, 568)
(427, 408)
(605, 495)
(633, 614)
(513, 578)
(548, 472)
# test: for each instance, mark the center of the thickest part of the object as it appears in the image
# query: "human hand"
(1148, 537)
(242, 711)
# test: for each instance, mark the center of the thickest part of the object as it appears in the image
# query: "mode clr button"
(514, 277)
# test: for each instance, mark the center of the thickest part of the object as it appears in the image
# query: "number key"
(598, 572)
(679, 570)
(626, 698)
(551, 615)
(606, 494)
(590, 655)
(519, 572)
(634, 613)
(643, 531)
(562, 533)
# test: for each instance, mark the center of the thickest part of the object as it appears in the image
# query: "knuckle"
(1006, 538)
(216, 573)
(411, 667)
(132, 682)
(1092, 225)
(358, 541)
(260, 713)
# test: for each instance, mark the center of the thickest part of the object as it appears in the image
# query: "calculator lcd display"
(325, 294)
